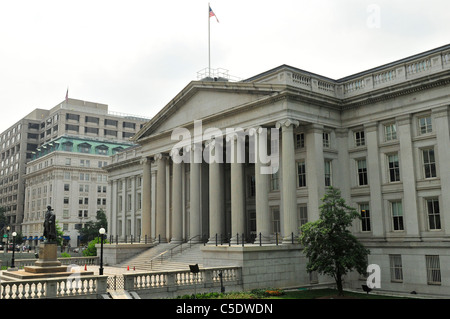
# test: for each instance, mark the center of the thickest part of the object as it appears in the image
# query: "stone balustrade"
(176, 282)
(80, 261)
(395, 73)
(72, 287)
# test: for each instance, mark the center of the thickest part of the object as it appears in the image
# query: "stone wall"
(117, 253)
(262, 266)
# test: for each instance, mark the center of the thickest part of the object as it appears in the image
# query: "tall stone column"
(177, 202)
(315, 170)
(146, 197)
(262, 187)
(374, 178)
(195, 193)
(114, 213)
(237, 188)
(441, 121)
(216, 197)
(124, 208)
(408, 176)
(161, 198)
(289, 185)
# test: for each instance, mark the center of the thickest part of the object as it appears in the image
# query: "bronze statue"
(50, 226)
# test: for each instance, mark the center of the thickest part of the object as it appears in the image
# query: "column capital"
(145, 160)
(287, 123)
(160, 156)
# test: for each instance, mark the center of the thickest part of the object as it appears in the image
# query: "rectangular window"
(91, 119)
(328, 173)
(394, 168)
(66, 187)
(362, 172)
(66, 213)
(425, 125)
(91, 130)
(66, 200)
(365, 217)
(360, 139)
(390, 132)
(301, 174)
(429, 163)
(111, 122)
(274, 182)
(434, 216)
(276, 220)
(433, 270)
(396, 268)
(73, 117)
(302, 215)
(251, 186)
(129, 125)
(397, 215)
(326, 139)
(300, 140)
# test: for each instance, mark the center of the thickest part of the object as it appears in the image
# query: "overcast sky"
(136, 55)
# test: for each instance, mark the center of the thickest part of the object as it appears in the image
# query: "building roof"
(109, 148)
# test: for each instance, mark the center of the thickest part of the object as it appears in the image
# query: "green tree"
(329, 244)
(90, 229)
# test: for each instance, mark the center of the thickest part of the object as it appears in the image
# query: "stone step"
(181, 260)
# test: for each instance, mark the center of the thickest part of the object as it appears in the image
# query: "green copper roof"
(82, 145)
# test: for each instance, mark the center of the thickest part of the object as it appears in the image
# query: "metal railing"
(168, 254)
(240, 239)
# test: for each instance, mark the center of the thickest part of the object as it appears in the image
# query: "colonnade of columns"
(217, 192)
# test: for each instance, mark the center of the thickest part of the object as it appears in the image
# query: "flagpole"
(209, 40)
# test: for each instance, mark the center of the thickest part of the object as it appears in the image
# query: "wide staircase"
(164, 257)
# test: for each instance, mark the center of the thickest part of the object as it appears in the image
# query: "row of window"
(433, 269)
(424, 126)
(428, 166)
(432, 212)
(96, 131)
(96, 120)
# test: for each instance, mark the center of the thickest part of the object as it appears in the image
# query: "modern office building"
(381, 136)
(21, 141)
(67, 174)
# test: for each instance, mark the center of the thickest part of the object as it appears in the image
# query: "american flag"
(212, 14)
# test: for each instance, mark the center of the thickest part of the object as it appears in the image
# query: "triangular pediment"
(200, 100)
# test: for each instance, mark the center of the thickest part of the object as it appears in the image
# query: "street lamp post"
(14, 234)
(102, 234)
(7, 238)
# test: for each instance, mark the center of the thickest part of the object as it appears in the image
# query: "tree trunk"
(339, 284)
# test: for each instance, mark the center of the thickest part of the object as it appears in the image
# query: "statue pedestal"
(48, 260)
(48, 266)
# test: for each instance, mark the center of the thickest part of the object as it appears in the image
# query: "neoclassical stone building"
(381, 136)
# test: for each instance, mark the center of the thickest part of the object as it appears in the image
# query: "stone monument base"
(48, 266)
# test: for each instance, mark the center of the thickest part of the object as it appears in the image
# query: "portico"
(236, 174)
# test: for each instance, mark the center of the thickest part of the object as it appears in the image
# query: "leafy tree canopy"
(328, 242)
